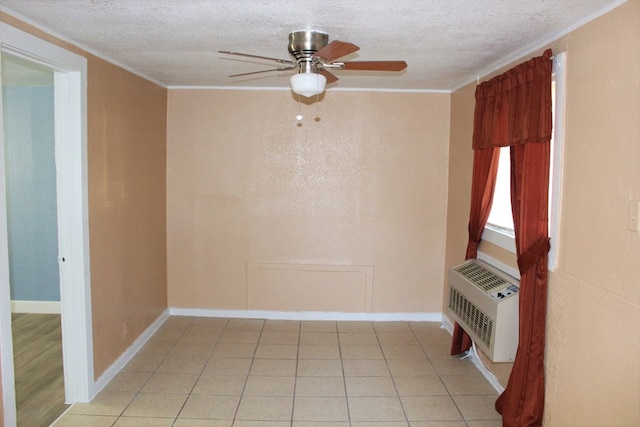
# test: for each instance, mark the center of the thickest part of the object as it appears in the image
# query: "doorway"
(30, 169)
(69, 96)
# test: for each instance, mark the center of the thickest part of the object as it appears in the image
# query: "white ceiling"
(445, 43)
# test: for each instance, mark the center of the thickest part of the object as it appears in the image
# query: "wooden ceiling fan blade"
(336, 49)
(248, 55)
(264, 71)
(331, 78)
(374, 65)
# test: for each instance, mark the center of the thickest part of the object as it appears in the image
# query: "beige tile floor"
(217, 372)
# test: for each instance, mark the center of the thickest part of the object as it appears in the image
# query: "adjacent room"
(238, 251)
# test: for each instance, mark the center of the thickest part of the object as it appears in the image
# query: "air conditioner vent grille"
(481, 277)
(479, 322)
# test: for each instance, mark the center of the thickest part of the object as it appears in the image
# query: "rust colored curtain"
(514, 109)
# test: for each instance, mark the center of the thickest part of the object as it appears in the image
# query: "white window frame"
(506, 241)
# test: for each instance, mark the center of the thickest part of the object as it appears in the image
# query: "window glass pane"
(500, 216)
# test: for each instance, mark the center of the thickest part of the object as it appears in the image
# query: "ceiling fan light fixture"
(308, 84)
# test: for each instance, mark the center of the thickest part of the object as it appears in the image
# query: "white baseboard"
(486, 373)
(36, 307)
(447, 324)
(307, 315)
(125, 357)
(473, 355)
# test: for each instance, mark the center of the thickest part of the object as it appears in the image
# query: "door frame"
(70, 94)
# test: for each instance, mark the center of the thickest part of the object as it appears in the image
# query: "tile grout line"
(344, 377)
(217, 341)
(295, 379)
(244, 387)
(137, 393)
(404, 410)
(443, 383)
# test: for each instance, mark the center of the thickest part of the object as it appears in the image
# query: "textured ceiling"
(445, 43)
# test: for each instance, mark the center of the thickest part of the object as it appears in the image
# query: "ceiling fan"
(314, 57)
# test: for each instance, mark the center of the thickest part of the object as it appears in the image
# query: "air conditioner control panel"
(505, 293)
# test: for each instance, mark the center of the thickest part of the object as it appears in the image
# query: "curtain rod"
(552, 57)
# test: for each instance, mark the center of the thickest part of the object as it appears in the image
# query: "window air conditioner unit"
(484, 302)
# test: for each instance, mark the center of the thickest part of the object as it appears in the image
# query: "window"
(499, 229)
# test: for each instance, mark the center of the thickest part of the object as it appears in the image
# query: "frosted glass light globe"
(308, 84)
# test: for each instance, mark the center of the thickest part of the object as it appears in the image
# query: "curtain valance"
(508, 109)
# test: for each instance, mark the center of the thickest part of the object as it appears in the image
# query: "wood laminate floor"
(37, 349)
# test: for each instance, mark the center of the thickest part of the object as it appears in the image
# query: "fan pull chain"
(299, 117)
(317, 118)
(317, 112)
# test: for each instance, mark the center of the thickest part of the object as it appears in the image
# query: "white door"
(73, 228)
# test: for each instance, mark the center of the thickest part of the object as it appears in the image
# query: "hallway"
(37, 350)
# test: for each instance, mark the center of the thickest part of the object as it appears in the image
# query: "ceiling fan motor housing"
(303, 45)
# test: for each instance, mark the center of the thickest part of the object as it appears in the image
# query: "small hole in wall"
(299, 124)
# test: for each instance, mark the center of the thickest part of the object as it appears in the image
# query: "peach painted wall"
(127, 206)
(459, 183)
(594, 295)
(127, 201)
(593, 342)
(343, 214)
